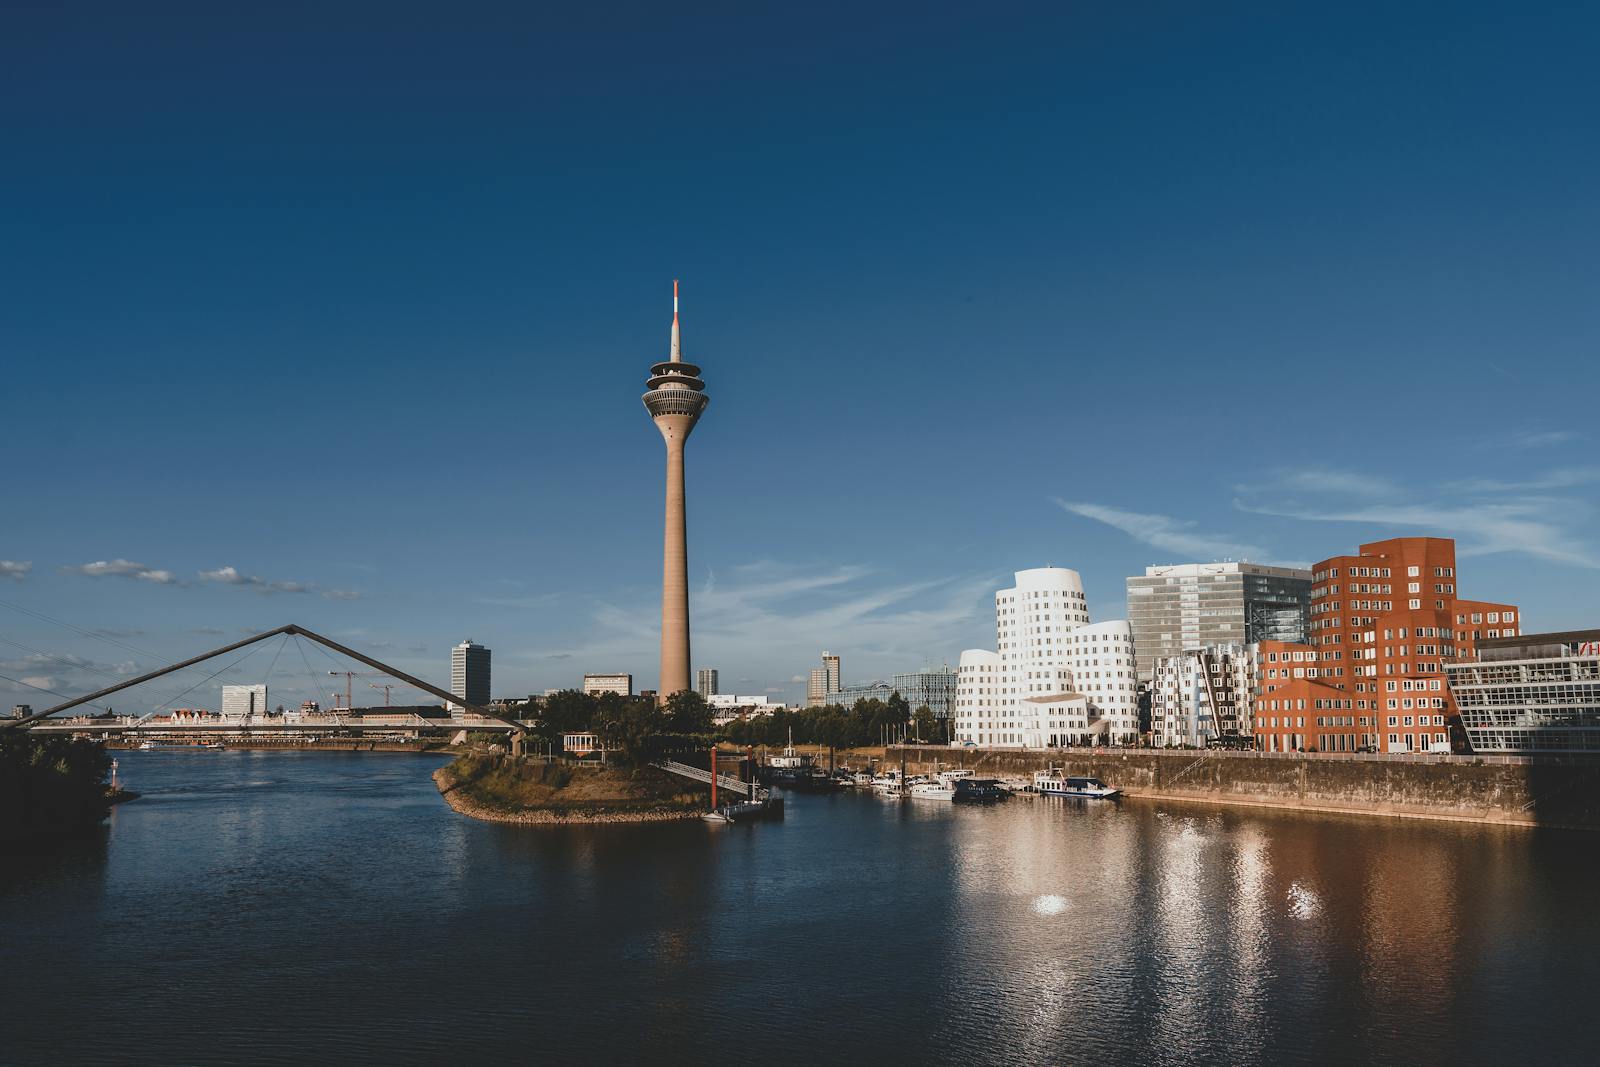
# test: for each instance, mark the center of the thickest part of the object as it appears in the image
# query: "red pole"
(713, 777)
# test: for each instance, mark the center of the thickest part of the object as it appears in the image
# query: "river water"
(286, 907)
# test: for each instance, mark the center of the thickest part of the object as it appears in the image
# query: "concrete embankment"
(1543, 791)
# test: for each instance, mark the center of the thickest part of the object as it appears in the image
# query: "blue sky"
(339, 314)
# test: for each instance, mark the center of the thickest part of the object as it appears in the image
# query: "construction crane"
(349, 701)
(385, 686)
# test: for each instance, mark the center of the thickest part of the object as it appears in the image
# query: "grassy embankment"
(486, 786)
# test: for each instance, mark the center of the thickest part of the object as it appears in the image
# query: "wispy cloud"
(232, 576)
(528, 602)
(1180, 536)
(15, 569)
(1527, 527)
(771, 618)
(1543, 482)
(1542, 438)
(1487, 516)
(123, 568)
(340, 594)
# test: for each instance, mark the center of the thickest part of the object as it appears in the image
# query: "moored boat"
(979, 791)
(931, 791)
(1058, 784)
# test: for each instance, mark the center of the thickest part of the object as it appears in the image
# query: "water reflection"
(1037, 931)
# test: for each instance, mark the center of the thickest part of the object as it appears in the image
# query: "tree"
(631, 729)
(688, 713)
(566, 712)
(927, 724)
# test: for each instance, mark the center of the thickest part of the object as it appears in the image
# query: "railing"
(700, 774)
(1497, 759)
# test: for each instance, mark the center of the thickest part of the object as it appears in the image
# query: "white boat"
(861, 780)
(791, 760)
(1021, 787)
(1056, 783)
(887, 782)
(951, 777)
(932, 791)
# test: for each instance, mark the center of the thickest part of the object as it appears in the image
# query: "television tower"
(675, 397)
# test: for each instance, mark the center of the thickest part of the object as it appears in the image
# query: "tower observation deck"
(675, 397)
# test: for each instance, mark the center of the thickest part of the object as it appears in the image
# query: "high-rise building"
(675, 397)
(1385, 622)
(830, 664)
(1530, 694)
(469, 675)
(21, 711)
(596, 684)
(817, 687)
(1055, 678)
(241, 702)
(705, 681)
(1177, 608)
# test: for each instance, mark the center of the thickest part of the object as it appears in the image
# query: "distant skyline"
(341, 317)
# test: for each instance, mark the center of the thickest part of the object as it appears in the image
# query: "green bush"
(51, 784)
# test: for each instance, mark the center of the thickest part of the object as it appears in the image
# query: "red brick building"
(1382, 623)
(1301, 704)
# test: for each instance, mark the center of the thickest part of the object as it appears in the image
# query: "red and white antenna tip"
(674, 296)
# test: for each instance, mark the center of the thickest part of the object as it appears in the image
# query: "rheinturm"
(675, 398)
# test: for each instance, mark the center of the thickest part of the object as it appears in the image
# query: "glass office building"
(936, 689)
(1531, 694)
(1174, 609)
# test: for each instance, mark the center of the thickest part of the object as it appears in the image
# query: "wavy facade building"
(1054, 677)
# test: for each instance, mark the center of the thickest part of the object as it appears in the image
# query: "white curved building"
(1055, 678)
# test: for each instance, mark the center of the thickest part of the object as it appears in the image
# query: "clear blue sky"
(358, 300)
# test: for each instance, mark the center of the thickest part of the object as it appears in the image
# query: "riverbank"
(535, 793)
(1547, 792)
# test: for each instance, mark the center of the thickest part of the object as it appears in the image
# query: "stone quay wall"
(1525, 791)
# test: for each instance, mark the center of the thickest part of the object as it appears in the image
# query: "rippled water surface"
(292, 907)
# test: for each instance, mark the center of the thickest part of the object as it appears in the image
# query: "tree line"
(638, 730)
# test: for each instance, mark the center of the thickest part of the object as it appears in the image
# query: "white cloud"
(231, 576)
(15, 569)
(123, 568)
(341, 594)
(1173, 535)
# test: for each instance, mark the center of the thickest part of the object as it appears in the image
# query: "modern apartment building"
(705, 681)
(242, 702)
(1202, 693)
(830, 664)
(469, 675)
(1185, 606)
(1530, 694)
(1298, 706)
(1054, 677)
(1385, 622)
(597, 684)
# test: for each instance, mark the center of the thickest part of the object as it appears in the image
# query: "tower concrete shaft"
(675, 397)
